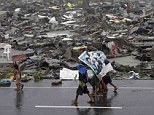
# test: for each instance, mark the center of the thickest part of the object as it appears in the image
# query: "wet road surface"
(134, 97)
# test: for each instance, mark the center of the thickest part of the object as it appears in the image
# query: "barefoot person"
(106, 79)
(17, 77)
(82, 88)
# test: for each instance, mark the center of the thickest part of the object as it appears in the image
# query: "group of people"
(94, 81)
(83, 79)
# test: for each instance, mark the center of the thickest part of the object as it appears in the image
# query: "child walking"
(17, 77)
(82, 88)
(107, 80)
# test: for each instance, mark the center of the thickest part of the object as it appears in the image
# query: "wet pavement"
(134, 97)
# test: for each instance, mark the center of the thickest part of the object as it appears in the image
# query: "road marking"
(75, 107)
(136, 88)
(152, 88)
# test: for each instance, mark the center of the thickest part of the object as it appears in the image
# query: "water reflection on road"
(19, 99)
(83, 111)
(100, 101)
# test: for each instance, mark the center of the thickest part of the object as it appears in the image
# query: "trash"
(67, 39)
(56, 82)
(133, 75)
(67, 74)
(7, 51)
(53, 20)
(68, 22)
(105, 69)
(60, 31)
(21, 57)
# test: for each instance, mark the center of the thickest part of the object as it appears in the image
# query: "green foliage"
(37, 76)
(4, 75)
(25, 78)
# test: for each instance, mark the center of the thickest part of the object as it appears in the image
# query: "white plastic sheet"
(17, 10)
(68, 22)
(67, 74)
(106, 68)
(53, 20)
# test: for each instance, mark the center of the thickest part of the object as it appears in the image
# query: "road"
(134, 97)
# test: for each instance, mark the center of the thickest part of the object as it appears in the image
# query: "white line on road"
(152, 88)
(75, 107)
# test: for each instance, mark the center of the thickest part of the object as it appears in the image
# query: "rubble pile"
(54, 34)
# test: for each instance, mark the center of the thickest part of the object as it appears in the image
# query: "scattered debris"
(56, 82)
(46, 36)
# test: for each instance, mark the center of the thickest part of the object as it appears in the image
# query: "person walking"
(94, 82)
(82, 88)
(106, 79)
(17, 77)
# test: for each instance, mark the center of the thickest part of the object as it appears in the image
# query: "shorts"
(82, 90)
(107, 79)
